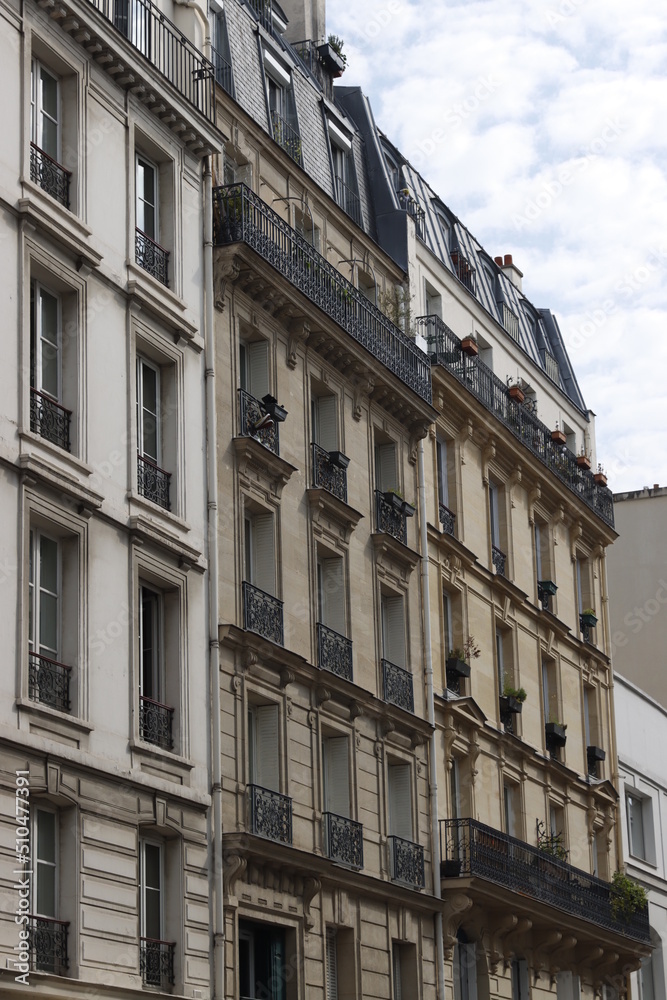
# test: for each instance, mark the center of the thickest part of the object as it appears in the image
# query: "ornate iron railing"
(223, 71)
(153, 482)
(348, 199)
(156, 723)
(241, 216)
(414, 210)
(511, 322)
(407, 862)
(262, 614)
(499, 560)
(344, 840)
(328, 474)
(397, 686)
(551, 366)
(463, 270)
(49, 682)
(165, 47)
(152, 257)
(389, 518)
(262, 9)
(447, 519)
(49, 419)
(287, 137)
(156, 961)
(252, 413)
(478, 850)
(270, 814)
(445, 350)
(49, 175)
(334, 652)
(47, 944)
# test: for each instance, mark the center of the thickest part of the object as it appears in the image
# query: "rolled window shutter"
(442, 473)
(400, 805)
(386, 471)
(337, 776)
(258, 369)
(332, 965)
(264, 565)
(538, 551)
(396, 962)
(393, 630)
(327, 436)
(267, 751)
(333, 594)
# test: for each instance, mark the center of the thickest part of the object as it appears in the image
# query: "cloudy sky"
(542, 124)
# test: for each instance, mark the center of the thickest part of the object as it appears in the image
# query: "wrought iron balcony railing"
(344, 840)
(445, 349)
(464, 270)
(447, 519)
(407, 862)
(223, 71)
(156, 723)
(328, 473)
(287, 137)
(499, 560)
(270, 814)
(49, 682)
(397, 686)
(348, 199)
(254, 423)
(49, 175)
(334, 652)
(240, 216)
(414, 210)
(511, 322)
(262, 614)
(156, 960)
(165, 47)
(469, 849)
(262, 9)
(47, 943)
(49, 419)
(389, 516)
(153, 482)
(152, 257)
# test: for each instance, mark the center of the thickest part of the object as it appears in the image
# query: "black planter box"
(595, 753)
(394, 500)
(510, 705)
(548, 586)
(555, 734)
(459, 668)
(450, 868)
(271, 405)
(339, 459)
(408, 509)
(589, 620)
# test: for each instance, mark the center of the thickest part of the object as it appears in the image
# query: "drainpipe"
(433, 760)
(212, 555)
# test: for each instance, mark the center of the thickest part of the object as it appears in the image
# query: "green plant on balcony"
(551, 843)
(337, 44)
(468, 651)
(519, 694)
(627, 896)
(396, 304)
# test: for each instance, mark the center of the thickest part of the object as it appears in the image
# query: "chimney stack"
(509, 268)
(307, 20)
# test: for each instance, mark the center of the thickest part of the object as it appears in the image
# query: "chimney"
(510, 269)
(307, 20)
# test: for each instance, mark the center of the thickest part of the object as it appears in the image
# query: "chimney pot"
(508, 260)
(499, 261)
(656, 486)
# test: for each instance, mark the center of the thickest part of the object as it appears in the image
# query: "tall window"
(254, 368)
(157, 954)
(511, 809)
(332, 964)
(497, 523)
(48, 417)
(260, 568)
(567, 986)
(263, 747)
(386, 467)
(442, 450)
(155, 717)
(147, 198)
(646, 979)
(447, 627)
(148, 410)
(455, 789)
(263, 963)
(45, 121)
(335, 753)
(550, 700)
(45, 884)
(331, 593)
(520, 980)
(639, 813)
(542, 555)
(325, 422)
(45, 595)
(494, 513)
(465, 968)
(393, 629)
(400, 801)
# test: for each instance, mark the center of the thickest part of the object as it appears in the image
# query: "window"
(404, 971)
(432, 301)
(400, 801)
(331, 593)
(520, 981)
(265, 967)
(304, 224)
(222, 58)
(48, 934)
(46, 134)
(156, 719)
(367, 285)
(156, 954)
(132, 19)
(340, 964)
(237, 169)
(455, 789)
(550, 702)
(386, 467)
(511, 809)
(325, 422)
(567, 986)
(254, 368)
(485, 351)
(263, 747)
(447, 630)
(446, 482)
(600, 855)
(152, 480)
(393, 629)
(260, 570)
(584, 584)
(645, 979)
(282, 110)
(556, 823)
(48, 417)
(497, 525)
(345, 179)
(465, 968)
(152, 257)
(543, 565)
(45, 888)
(335, 755)
(49, 679)
(639, 811)
(332, 965)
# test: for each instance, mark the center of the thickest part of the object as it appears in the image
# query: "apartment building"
(110, 117)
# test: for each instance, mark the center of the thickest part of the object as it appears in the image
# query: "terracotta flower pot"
(469, 347)
(583, 461)
(558, 437)
(516, 392)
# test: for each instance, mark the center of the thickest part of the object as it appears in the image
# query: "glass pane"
(146, 176)
(49, 141)
(48, 624)
(152, 928)
(46, 836)
(147, 223)
(46, 890)
(49, 94)
(150, 436)
(49, 317)
(149, 388)
(152, 866)
(48, 564)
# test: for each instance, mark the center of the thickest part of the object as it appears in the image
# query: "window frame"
(147, 162)
(34, 591)
(46, 807)
(144, 362)
(37, 110)
(37, 290)
(151, 842)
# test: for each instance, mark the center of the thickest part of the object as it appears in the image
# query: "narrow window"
(263, 747)
(443, 479)
(400, 801)
(45, 890)
(44, 590)
(325, 422)
(510, 809)
(331, 594)
(465, 969)
(260, 569)
(386, 468)
(635, 809)
(254, 368)
(332, 965)
(148, 410)
(45, 123)
(393, 630)
(336, 776)
(147, 198)
(494, 515)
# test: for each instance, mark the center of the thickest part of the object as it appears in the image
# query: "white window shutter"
(396, 963)
(258, 369)
(393, 630)
(333, 594)
(337, 776)
(442, 473)
(332, 965)
(538, 550)
(267, 752)
(327, 436)
(263, 555)
(493, 504)
(385, 467)
(400, 804)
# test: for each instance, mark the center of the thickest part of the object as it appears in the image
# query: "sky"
(543, 125)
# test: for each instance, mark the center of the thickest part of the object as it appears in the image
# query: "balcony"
(397, 686)
(391, 513)
(445, 349)
(241, 217)
(165, 47)
(287, 137)
(334, 652)
(156, 960)
(464, 270)
(49, 419)
(152, 257)
(153, 482)
(330, 471)
(348, 199)
(49, 682)
(406, 862)
(270, 814)
(156, 723)
(49, 175)
(511, 323)
(472, 850)
(262, 10)
(262, 614)
(499, 560)
(256, 422)
(414, 210)
(223, 72)
(47, 944)
(447, 519)
(344, 840)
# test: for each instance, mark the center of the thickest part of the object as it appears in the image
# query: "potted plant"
(627, 896)
(600, 477)
(558, 436)
(408, 509)
(394, 498)
(457, 658)
(547, 587)
(555, 733)
(469, 346)
(583, 461)
(274, 409)
(516, 392)
(511, 700)
(588, 618)
(339, 459)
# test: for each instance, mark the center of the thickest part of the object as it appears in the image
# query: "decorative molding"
(419, 432)
(233, 869)
(226, 272)
(299, 332)
(311, 887)
(488, 455)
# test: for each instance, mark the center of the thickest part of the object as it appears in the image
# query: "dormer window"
(282, 110)
(345, 179)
